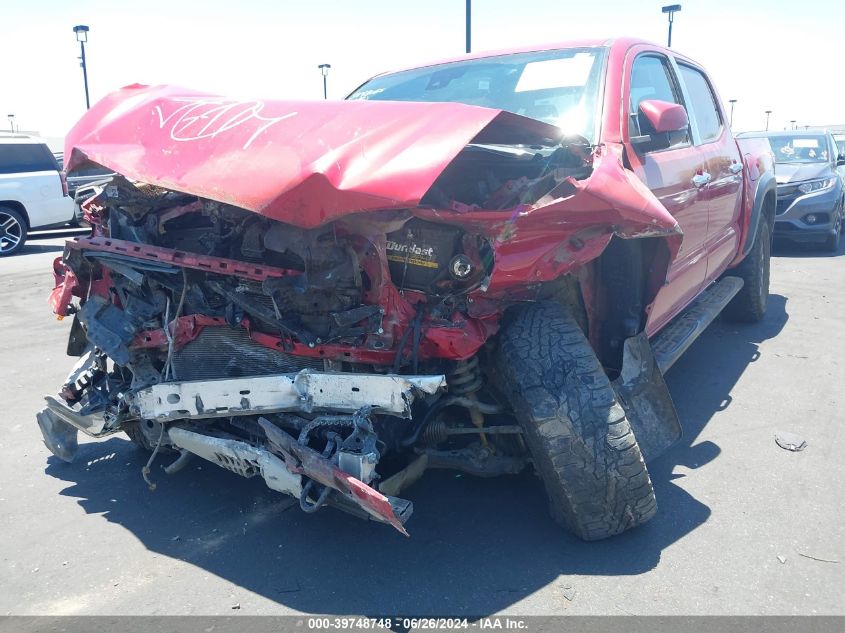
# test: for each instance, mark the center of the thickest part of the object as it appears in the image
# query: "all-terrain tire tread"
(749, 304)
(579, 437)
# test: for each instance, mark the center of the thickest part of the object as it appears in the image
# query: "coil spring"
(435, 433)
(465, 379)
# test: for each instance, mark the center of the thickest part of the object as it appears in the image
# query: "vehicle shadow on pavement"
(477, 546)
(786, 248)
(30, 249)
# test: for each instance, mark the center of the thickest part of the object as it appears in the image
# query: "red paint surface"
(663, 116)
(305, 163)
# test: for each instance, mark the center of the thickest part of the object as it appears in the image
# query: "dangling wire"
(145, 471)
(169, 328)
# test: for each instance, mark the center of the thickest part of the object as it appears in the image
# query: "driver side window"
(651, 78)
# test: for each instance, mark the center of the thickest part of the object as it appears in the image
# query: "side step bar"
(674, 339)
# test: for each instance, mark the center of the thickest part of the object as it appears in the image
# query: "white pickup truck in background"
(33, 191)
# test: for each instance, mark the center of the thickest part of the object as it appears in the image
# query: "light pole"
(82, 36)
(11, 122)
(768, 112)
(671, 10)
(792, 123)
(469, 24)
(733, 103)
(324, 68)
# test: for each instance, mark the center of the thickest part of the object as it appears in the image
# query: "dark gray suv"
(811, 194)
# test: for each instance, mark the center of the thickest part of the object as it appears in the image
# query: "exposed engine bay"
(332, 341)
(319, 359)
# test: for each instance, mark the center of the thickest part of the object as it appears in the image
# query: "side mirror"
(662, 124)
(664, 116)
(840, 160)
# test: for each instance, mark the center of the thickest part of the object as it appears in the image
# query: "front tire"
(578, 435)
(12, 231)
(831, 244)
(749, 304)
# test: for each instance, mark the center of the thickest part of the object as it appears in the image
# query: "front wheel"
(749, 304)
(578, 435)
(12, 231)
(831, 244)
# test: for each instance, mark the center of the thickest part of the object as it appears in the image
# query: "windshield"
(800, 149)
(559, 87)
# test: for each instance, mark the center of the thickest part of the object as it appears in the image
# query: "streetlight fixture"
(671, 9)
(733, 103)
(324, 68)
(469, 23)
(11, 122)
(82, 36)
(768, 112)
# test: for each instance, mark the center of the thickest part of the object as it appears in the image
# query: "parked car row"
(810, 172)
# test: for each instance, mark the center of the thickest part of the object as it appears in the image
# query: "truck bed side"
(759, 196)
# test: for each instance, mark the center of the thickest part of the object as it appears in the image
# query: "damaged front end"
(327, 333)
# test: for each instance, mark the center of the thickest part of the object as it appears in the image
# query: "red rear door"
(724, 168)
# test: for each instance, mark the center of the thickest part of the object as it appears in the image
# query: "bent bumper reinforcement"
(305, 391)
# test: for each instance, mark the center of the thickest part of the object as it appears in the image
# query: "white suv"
(33, 190)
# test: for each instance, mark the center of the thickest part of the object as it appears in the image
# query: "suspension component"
(465, 380)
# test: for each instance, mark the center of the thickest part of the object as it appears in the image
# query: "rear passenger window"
(24, 157)
(703, 102)
(651, 79)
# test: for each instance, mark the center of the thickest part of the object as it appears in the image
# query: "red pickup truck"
(483, 264)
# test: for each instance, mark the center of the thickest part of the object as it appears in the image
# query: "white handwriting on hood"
(207, 118)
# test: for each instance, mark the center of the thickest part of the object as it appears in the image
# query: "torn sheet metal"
(645, 397)
(305, 391)
(301, 162)
(239, 457)
(321, 470)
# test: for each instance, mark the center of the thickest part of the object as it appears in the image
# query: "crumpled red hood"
(301, 162)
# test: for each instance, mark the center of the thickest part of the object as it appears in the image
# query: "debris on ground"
(568, 592)
(790, 441)
(821, 560)
(782, 559)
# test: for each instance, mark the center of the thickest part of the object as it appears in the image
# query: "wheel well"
(609, 296)
(17, 206)
(769, 207)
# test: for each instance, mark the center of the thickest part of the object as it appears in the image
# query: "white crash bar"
(305, 391)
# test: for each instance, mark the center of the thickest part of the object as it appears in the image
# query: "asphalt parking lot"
(744, 526)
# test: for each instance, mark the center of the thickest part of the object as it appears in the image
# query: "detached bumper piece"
(306, 392)
(299, 470)
(339, 477)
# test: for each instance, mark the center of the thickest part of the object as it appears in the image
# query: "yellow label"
(413, 261)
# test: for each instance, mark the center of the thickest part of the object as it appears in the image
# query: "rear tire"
(13, 231)
(749, 304)
(578, 435)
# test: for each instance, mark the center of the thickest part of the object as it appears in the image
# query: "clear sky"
(787, 56)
